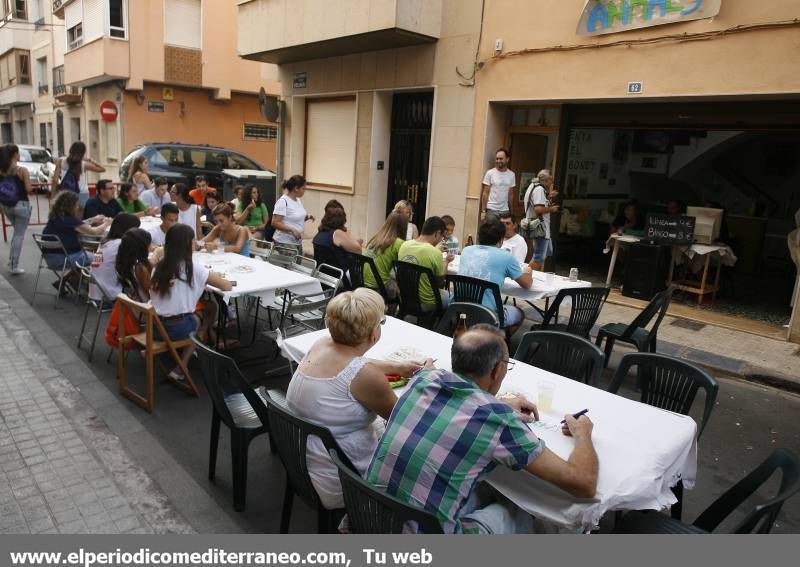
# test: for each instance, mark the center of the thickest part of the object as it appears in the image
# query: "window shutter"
(73, 14)
(331, 142)
(182, 23)
(93, 20)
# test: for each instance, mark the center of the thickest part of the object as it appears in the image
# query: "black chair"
(371, 511)
(239, 407)
(290, 433)
(326, 255)
(356, 263)
(672, 385)
(563, 354)
(636, 333)
(475, 313)
(758, 521)
(467, 289)
(586, 305)
(409, 277)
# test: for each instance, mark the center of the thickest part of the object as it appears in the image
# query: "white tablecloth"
(255, 277)
(540, 289)
(643, 451)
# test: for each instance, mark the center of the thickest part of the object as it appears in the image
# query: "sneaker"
(177, 375)
(17, 271)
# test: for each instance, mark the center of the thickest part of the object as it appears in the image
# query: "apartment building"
(17, 91)
(379, 99)
(126, 72)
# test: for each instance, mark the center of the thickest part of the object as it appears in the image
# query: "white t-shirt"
(83, 181)
(500, 183)
(189, 217)
(182, 297)
(104, 271)
(517, 246)
(294, 215)
(157, 235)
(151, 199)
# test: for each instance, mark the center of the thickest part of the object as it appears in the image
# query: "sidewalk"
(62, 470)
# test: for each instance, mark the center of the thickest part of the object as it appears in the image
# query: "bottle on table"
(461, 328)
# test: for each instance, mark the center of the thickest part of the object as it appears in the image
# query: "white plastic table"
(643, 451)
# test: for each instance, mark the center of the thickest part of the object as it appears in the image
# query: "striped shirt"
(444, 436)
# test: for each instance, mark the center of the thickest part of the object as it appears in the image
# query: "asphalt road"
(748, 423)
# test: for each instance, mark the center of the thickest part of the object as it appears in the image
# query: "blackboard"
(666, 229)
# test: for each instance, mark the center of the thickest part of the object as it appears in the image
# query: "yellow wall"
(217, 123)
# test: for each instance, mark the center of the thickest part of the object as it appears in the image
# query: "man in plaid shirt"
(448, 431)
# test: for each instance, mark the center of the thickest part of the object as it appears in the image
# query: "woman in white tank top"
(336, 387)
(188, 212)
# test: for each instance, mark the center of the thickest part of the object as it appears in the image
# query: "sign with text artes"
(108, 111)
(666, 229)
(613, 16)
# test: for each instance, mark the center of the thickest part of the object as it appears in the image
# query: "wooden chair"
(152, 347)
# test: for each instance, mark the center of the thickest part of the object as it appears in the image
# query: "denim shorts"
(180, 326)
(542, 249)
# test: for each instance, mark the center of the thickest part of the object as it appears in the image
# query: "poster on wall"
(614, 16)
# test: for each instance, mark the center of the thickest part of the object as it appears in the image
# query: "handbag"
(112, 329)
(532, 227)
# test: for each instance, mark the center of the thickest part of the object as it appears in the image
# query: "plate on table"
(405, 354)
(242, 269)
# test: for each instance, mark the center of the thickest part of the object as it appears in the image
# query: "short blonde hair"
(353, 315)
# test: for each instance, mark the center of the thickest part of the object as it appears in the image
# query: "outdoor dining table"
(643, 451)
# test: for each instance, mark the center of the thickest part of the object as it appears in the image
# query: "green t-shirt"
(134, 207)
(425, 255)
(258, 215)
(383, 262)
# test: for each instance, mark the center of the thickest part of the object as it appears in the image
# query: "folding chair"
(260, 249)
(51, 244)
(102, 305)
(147, 340)
(282, 255)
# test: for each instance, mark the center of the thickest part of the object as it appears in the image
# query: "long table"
(643, 451)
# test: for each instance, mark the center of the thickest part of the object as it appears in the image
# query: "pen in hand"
(576, 415)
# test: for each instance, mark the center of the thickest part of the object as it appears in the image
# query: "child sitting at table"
(450, 242)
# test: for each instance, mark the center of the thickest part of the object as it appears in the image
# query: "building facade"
(169, 70)
(378, 98)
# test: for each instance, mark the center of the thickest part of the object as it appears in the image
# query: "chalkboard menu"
(666, 229)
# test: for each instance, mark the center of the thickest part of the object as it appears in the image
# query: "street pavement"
(167, 452)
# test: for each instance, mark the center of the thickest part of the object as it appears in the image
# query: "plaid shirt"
(444, 436)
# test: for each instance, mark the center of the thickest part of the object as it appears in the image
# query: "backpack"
(9, 190)
(69, 182)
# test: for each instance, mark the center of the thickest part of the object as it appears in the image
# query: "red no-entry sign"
(108, 111)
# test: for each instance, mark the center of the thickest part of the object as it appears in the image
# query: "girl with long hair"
(177, 283)
(289, 217)
(335, 240)
(139, 175)
(132, 265)
(76, 164)
(106, 256)
(252, 212)
(383, 248)
(188, 211)
(406, 209)
(17, 208)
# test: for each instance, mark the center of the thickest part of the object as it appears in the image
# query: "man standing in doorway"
(537, 204)
(497, 189)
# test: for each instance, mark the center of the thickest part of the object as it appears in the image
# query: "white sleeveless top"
(328, 402)
(189, 217)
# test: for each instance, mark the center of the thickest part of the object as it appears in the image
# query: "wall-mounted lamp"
(140, 98)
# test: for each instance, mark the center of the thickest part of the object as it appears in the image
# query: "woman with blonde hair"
(383, 248)
(406, 209)
(337, 387)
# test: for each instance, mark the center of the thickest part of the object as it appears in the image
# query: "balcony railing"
(61, 90)
(44, 88)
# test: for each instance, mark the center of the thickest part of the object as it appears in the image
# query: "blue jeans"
(82, 198)
(18, 217)
(542, 249)
(180, 327)
(486, 512)
(79, 259)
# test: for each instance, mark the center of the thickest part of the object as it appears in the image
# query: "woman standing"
(132, 265)
(188, 211)
(289, 217)
(252, 212)
(15, 186)
(383, 248)
(139, 175)
(407, 210)
(226, 234)
(176, 286)
(70, 172)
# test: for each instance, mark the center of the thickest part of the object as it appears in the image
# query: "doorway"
(60, 132)
(409, 151)
(528, 157)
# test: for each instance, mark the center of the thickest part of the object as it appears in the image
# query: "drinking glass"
(547, 390)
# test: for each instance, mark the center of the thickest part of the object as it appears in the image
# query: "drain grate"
(687, 324)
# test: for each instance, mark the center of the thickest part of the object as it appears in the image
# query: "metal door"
(409, 151)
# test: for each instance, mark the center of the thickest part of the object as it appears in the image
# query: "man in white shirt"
(497, 189)
(537, 204)
(158, 196)
(169, 217)
(513, 242)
